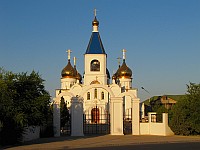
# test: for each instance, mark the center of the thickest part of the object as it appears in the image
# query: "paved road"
(109, 142)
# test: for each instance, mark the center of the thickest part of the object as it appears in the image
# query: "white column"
(165, 118)
(116, 116)
(143, 110)
(76, 117)
(168, 130)
(56, 117)
(135, 116)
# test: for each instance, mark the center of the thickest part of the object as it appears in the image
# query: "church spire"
(95, 22)
(95, 45)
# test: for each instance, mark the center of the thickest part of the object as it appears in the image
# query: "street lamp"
(143, 107)
(147, 92)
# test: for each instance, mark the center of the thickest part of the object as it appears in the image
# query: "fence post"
(56, 117)
(116, 116)
(135, 117)
(76, 117)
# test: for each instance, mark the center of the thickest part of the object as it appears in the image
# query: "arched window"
(95, 93)
(102, 95)
(95, 65)
(88, 95)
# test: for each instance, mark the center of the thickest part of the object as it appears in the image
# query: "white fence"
(152, 127)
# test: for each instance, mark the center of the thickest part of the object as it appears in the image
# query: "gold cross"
(68, 51)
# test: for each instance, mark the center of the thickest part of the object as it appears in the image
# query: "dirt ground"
(113, 142)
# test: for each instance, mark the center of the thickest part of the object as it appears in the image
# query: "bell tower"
(95, 58)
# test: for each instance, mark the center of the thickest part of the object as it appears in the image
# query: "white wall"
(144, 128)
(155, 128)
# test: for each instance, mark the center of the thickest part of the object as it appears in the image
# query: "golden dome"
(68, 71)
(123, 71)
(95, 82)
(95, 22)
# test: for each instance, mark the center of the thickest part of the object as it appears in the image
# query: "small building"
(165, 101)
(168, 101)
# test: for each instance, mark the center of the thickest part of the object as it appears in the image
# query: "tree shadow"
(51, 140)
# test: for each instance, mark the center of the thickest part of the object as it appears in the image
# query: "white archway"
(57, 99)
(128, 94)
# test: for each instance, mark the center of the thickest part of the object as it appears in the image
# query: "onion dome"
(95, 22)
(68, 71)
(123, 71)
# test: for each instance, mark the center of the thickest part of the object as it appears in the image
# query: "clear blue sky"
(162, 38)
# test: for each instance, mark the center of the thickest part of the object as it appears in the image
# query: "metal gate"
(127, 122)
(96, 121)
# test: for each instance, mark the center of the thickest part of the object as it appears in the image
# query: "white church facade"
(103, 99)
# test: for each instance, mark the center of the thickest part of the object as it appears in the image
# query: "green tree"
(186, 113)
(11, 130)
(32, 99)
(24, 102)
(64, 113)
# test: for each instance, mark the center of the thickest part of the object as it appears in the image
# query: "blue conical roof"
(95, 45)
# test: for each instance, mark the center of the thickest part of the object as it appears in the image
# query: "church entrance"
(96, 121)
(95, 115)
(127, 122)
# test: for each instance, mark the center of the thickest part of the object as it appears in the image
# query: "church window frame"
(95, 65)
(95, 93)
(102, 95)
(88, 95)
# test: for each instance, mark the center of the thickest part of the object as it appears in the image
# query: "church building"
(104, 99)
